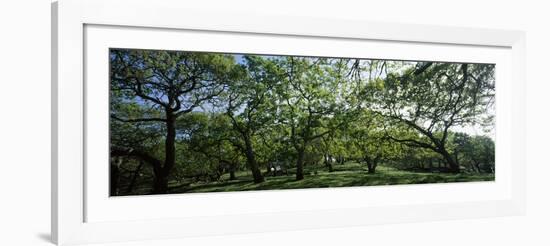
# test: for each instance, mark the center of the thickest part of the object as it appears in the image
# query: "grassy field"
(349, 174)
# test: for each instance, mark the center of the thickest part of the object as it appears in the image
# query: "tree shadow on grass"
(341, 178)
(214, 186)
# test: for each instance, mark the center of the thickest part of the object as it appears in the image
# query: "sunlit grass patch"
(347, 175)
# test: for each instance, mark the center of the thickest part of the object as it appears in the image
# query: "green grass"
(347, 175)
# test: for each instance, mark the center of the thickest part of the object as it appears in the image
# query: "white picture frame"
(78, 216)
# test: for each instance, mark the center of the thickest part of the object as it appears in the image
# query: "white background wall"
(25, 123)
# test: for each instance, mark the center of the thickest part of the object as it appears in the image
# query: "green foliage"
(214, 122)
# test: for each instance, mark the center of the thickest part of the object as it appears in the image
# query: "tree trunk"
(453, 166)
(115, 173)
(251, 160)
(134, 177)
(232, 171)
(341, 160)
(372, 169)
(328, 162)
(300, 165)
(160, 185)
(456, 158)
(161, 175)
(371, 164)
(158, 182)
(473, 167)
(477, 166)
(268, 169)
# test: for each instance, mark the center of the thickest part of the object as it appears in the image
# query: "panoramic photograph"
(195, 122)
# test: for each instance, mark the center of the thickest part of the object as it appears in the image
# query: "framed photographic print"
(170, 125)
